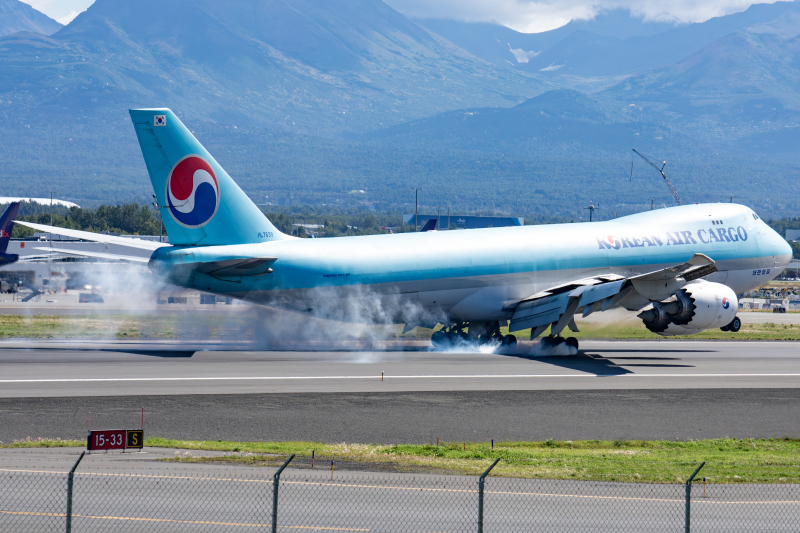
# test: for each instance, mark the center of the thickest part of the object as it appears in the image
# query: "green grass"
(90, 326)
(43, 443)
(727, 460)
(174, 326)
(632, 330)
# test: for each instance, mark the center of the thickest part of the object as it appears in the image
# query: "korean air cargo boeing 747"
(679, 267)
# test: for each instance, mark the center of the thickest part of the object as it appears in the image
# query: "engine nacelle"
(697, 306)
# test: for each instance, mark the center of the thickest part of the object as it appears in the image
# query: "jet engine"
(697, 306)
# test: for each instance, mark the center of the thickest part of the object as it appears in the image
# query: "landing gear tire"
(734, 326)
(572, 341)
(509, 340)
(551, 342)
(439, 339)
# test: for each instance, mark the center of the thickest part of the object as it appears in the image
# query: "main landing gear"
(734, 326)
(552, 341)
(466, 333)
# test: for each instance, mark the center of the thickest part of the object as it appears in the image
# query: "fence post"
(480, 495)
(686, 527)
(275, 482)
(70, 478)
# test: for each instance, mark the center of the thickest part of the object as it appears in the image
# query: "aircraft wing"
(99, 255)
(557, 306)
(96, 237)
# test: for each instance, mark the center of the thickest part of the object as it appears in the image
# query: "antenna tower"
(666, 179)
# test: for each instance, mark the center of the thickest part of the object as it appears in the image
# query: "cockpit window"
(755, 217)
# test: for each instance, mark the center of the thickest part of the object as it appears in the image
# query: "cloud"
(61, 10)
(536, 16)
(66, 19)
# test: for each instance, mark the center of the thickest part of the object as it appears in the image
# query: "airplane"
(680, 267)
(430, 225)
(6, 227)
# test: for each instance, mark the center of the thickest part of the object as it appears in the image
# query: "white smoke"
(334, 314)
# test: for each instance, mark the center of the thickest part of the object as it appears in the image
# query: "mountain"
(614, 43)
(17, 16)
(588, 54)
(552, 154)
(559, 121)
(503, 46)
(304, 102)
(309, 65)
(286, 73)
(745, 84)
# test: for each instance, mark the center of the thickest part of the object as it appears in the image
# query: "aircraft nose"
(782, 250)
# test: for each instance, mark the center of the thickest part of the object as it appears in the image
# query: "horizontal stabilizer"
(97, 237)
(99, 255)
(234, 268)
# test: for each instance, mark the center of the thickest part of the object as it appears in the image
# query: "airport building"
(464, 221)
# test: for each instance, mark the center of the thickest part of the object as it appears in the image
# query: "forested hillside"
(344, 106)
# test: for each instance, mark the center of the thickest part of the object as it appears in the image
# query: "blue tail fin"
(200, 204)
(430, 225)
(7, 225)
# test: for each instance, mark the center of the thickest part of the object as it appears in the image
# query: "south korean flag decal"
(159, 120)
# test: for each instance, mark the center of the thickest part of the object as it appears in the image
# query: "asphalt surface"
(134, 493)
(58, 369)
(610, 390)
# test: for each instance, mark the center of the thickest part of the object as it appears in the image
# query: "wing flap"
(696, 264)
(556, 306)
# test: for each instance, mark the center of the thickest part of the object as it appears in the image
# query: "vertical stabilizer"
(200, 204)
(7, 225)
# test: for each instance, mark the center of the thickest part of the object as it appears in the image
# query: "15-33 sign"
(115, 439)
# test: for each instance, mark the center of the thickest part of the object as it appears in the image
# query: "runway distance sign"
(115, 439)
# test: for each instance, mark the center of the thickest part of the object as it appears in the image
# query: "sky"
(521, 15)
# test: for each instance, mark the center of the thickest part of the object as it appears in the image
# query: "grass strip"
(176, 326)
(636, 331)
(728, 460)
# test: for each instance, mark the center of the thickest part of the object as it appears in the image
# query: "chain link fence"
(239, 499)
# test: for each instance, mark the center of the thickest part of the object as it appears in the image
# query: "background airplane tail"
(7, 225)
(200, 204)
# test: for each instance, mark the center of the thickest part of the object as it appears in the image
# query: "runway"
(59, 369)
(610, 390)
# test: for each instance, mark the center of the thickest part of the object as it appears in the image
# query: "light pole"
(416, 207)
(651, 203)
(160, 220)
(591, 209)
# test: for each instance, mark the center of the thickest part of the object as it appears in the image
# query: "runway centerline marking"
(389, 378)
